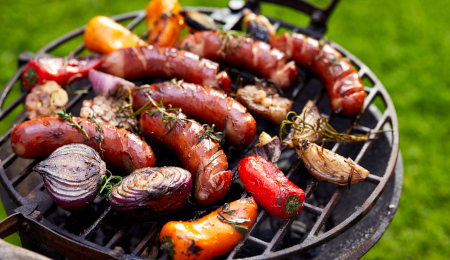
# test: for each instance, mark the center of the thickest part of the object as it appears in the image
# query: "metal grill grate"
(97, 232)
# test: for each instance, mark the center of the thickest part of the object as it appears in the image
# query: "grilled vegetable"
(45, 100)
(105, 84)
(265, 103)
(328, 166)
(150, 193)
(211, 236)
(71, 175)
(270, 188)
(164, 22)
(62, 70)
(197, 21)
(104, 35)
(108, 110)
(258, 26)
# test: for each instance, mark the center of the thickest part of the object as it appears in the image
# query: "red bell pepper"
(62, 70)
(270, 187)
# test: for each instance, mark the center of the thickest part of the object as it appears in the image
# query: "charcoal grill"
(337, 222)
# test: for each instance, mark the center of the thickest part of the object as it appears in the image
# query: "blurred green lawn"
(404, 42)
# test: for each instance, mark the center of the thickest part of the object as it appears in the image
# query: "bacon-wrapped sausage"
(206, 105)
(243, 52)
(37, 139)
(342, 82)
(200, 155)
(152, 61)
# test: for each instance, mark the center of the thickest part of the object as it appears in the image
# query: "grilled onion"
(150, 193)
(71, 174)
(328, 166)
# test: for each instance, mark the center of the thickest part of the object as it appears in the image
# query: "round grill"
(98, 232)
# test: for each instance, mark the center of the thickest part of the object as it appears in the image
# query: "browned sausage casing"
(342, 82)
(161, 62)
(203, 159)
(243, 52)
(37, 139)
(206, 105)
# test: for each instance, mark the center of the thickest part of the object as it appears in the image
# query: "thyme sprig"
(233, 221)
(69, 118)
(226, 40)
(322, 127)
(177, 83)
(99, 137)
(209, 133)
(107, 182)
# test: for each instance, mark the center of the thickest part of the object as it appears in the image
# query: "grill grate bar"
(91, 230)
(373, 179)
(326, 211)
(312, 209)
(22, 175)
(119, 235)
(5, 137)
(277, 238)
(7, 89)
(258, 242)
(13, 105)
(8, 161)
(151, 236)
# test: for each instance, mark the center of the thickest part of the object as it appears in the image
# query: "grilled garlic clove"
(45, 100)
(328, 166)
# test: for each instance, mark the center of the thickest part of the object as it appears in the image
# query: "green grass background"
(404, 42)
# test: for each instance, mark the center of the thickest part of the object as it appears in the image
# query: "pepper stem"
(31, 76)
(292, 204)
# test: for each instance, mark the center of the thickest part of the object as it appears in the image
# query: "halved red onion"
(105, 84)
(150, 193)
(71, 175)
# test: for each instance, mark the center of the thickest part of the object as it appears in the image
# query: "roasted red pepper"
(62, 70)
(270, 187)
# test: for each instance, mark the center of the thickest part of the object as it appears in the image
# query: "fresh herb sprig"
(209, 133)
(107, 183)
(322, 127)
(69, 118)
(226, 40)
(233, 221)
(99, 137)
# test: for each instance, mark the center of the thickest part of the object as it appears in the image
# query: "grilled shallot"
(328, 166)
(150, 193)
(265, 103)
(71, 175)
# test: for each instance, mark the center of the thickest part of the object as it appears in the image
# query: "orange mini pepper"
(104, 35)
(164, 22)
(213, 235)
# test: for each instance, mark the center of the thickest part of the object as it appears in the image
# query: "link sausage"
(37, 139)
(161, 62)
(243, 52)
(202, 157)
(342, 82)
(206, 105)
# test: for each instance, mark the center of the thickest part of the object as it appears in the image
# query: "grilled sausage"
(37, 139)
(152, 61)
(206, 105)
(243, 52)
(342, 82)
(202, 157)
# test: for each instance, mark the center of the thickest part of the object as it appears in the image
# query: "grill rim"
(377, 90)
